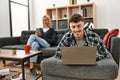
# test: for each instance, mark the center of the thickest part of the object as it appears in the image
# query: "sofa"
(20, 41)
(106, 69)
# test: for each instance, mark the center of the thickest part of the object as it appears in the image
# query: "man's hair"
(75, 18)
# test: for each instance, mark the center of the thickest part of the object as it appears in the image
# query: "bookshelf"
(60, 15)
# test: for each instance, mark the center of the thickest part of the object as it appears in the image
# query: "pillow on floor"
(108, 36)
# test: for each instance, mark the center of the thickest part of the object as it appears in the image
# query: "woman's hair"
(75, 18)
(46, 16)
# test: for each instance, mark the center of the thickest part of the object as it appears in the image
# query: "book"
(4, 71)
(84, 12)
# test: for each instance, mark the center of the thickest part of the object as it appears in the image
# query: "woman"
(43, 38)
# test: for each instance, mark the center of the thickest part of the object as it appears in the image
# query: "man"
(81, 36)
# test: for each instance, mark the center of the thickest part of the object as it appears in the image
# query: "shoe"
(33, 71)
(25, 63)
(18, 64)
(2, 76)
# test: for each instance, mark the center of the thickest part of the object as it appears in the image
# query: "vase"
(13, 51)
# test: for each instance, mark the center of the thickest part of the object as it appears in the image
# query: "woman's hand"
(37, 33)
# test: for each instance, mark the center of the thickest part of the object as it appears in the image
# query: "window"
(19, 16)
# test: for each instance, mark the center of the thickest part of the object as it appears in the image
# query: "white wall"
(39, 10)
(107, 11)
(4, 18)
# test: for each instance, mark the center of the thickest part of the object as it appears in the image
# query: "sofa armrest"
(48, 52)
(115, 48)
(9, 41)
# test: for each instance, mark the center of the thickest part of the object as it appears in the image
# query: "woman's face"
(45, 22)
(77, 29)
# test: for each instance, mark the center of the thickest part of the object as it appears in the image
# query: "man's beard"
(79, 36)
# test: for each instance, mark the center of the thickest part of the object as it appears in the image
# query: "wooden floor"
(9, 64)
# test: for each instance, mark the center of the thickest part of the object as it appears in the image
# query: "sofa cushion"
(48, 52)
(104, 69)
(25, 35)
(60, 34)
(109, 35)
(101, 32)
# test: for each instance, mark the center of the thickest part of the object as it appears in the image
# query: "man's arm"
(102, 50)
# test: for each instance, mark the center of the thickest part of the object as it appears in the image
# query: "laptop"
(79, 55)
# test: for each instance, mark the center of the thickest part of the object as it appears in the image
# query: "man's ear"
(69, 26)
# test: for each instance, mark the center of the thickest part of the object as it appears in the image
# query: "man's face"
(77, 29)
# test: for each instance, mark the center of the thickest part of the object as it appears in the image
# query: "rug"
(28, 76)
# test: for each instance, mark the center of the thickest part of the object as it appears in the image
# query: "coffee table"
(19, 56)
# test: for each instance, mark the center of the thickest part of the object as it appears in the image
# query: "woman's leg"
(31, 39)
(35, 47)
(41, 41)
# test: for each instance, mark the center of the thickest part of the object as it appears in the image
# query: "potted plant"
(88, 0)
(53, 5)
(14, 49)
(65, 16)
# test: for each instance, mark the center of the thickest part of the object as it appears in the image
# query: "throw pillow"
(108, 36)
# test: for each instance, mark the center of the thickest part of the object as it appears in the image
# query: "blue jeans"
(36, 43)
